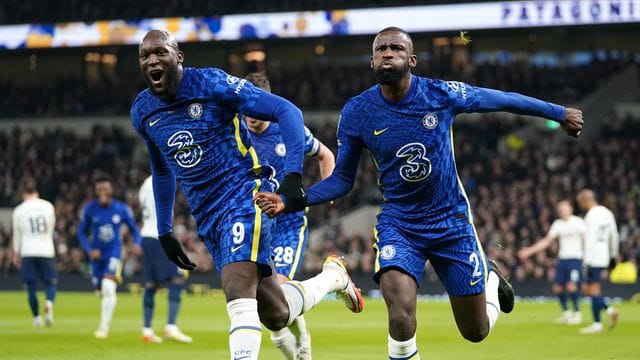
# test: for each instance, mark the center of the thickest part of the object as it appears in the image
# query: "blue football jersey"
(103, 224)
(271, 149)
(411, 143)
(198, 136)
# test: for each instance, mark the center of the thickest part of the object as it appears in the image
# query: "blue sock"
(596, 306)
(575, 300)
(174, 302)
(148, 305)
(51, 292)
(33, 298)
(563, 300)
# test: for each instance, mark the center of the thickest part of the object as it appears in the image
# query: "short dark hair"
(29, 186)
(260, 80)
(101, 177)
(395, 29)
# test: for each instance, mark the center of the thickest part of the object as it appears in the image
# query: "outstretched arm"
(496, 100)
(339, 183)
(535, 248)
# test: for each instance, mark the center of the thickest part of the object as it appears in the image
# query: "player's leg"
(592, 289)
(572, 287)
(171, 330)
(477, 289)
(399, 266)
(400, 291)
(558, 289)
(28, 273)
(50, 278)
(108, 286)
(150, 256)
(288, 246)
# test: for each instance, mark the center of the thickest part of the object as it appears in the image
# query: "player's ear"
(371, 62)
(413, 61)
(180, 57)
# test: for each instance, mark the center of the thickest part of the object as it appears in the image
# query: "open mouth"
(156, 75)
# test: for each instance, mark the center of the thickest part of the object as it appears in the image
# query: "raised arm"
(468, 98)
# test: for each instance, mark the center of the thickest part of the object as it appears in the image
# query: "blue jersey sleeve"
(311, 144)
(163, 180)
(467, 98)
(127, 216)
(83, 230)
(242, 97)
(341, 181)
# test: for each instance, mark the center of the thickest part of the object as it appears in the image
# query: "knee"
(275, 318)
(402, 324)
(475, 334)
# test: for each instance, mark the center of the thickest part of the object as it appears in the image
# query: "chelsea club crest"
(430, 121)
(195, 110)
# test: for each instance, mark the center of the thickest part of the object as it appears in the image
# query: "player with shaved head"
(405, 123)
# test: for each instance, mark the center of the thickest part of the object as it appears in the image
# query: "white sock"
(403, 349)
(245, 333)
(299, 329)
(284, 341)
(493, 303)
(301, 296)
(109, 301)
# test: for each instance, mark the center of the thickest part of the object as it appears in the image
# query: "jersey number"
(237, 230)
(475, 260)
(283, 254)
(38, 224)
(418, 166)
(188, 154)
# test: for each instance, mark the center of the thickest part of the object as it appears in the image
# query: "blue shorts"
(243, 232)
(156, 267)
(568, 270)
(592, 274)
(108, 265)
(33, 268)
(289, 243)
(455, 253)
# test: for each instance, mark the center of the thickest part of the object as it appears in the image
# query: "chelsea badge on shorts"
(195, 110)
(430, 121)
(388, 252)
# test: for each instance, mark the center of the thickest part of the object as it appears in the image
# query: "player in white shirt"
(33, 224)
(569, 230)
(601, 249)
(156, 270)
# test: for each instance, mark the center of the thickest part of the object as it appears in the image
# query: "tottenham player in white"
(569, 230)
(601, 249)
(33, 248)
(158, 269)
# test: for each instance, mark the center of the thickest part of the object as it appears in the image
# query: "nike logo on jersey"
(153, 122)
(474, 282)
(378, 132)
(236, 248)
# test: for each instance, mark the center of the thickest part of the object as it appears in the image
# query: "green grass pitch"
(527, 333)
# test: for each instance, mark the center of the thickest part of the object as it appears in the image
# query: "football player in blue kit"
(102, 218)
(290, 238)
(405, 123)
(187, 118)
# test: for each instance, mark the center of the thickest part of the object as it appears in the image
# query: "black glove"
(612, 263)
(174, 252)
(295, 198)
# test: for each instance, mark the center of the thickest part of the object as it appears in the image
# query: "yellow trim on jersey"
(299, 249)
(464, 194)
(242, 147)
(483, 257)
(257, 225)
(376, 266)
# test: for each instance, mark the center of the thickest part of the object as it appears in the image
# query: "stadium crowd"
(512, 185)
(311, 85)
